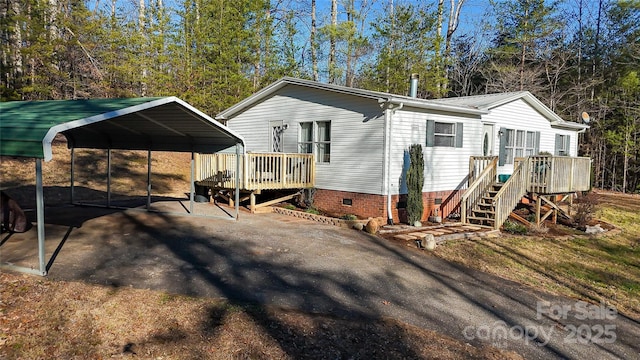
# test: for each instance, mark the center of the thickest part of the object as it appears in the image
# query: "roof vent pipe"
(413, 90)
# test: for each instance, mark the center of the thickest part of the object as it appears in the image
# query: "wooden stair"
(483, 213)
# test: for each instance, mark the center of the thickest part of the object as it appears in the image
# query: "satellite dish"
(585, 117)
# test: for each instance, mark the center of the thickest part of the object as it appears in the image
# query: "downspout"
(388, 118)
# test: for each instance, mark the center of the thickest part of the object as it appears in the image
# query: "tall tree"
(520, 28)
(405, 44)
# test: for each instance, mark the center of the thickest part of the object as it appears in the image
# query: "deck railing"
(511, 192)
(483, 181)
(558, 174)
(258, 171)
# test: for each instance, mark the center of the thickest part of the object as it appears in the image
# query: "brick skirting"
(338, 203)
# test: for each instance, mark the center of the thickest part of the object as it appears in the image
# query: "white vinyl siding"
(356, 133)
(519, 115)
(445, 167)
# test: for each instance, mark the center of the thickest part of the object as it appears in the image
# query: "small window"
(562, 145)
(347, 202)
(444, 134)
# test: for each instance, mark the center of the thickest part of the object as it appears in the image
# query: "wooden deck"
(258, 171)
(488, 201)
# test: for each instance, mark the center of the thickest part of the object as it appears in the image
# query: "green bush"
(349, 217)
(290, 207)
(312, 211)
(514, 228)
(415, 181)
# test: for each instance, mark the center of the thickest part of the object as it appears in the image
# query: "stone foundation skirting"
(319, 218)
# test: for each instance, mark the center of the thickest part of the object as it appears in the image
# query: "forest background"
(575, 55)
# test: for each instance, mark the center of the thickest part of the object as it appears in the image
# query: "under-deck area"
(256, 173)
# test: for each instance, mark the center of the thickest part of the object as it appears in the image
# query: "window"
(444, 134)
(562, 145)
(315, 138)
(517, 143)
(305, 144)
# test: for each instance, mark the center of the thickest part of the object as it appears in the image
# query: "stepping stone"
(405, 237)
(418, 235)
(472, 228)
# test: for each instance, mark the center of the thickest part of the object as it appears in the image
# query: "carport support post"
(237, 202)
(40, 216)
(71, 187)
(108, 177)
(148, 179)
(192, 184)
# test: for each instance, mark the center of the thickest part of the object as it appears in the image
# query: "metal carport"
(27, 129)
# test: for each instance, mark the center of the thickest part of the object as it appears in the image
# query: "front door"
(488, 139)
(276, 128)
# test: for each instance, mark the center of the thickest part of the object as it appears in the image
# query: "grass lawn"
(596, 269)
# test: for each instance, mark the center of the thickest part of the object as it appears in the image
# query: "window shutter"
(431, 127)
(536, 151)
(568, 145)
(459, 135)
(502, 156)
(558, 145)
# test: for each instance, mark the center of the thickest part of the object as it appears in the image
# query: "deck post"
(252, 202)
(538, 206)
(40, 216)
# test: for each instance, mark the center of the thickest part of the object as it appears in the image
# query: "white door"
(276, 128)
(488, 139)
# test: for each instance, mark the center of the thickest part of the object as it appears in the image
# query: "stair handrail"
(511, 192)
(479, 186)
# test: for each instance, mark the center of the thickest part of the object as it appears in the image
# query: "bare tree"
(314, 45)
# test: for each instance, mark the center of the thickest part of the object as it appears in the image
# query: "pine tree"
(405, 45)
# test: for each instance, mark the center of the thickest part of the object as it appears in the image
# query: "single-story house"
(360, 139)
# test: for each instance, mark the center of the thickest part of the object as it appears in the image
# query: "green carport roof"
(27, 128)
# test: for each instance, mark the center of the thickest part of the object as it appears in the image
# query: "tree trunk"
(141, 28)
(454, 17)
(332, 42)
(314, 29)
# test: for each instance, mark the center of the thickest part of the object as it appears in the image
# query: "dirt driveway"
(274, 259)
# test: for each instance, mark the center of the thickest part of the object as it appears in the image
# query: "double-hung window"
(562, 145)
(315, 138)
(444, 134)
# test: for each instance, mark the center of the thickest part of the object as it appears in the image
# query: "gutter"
(432, 105)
